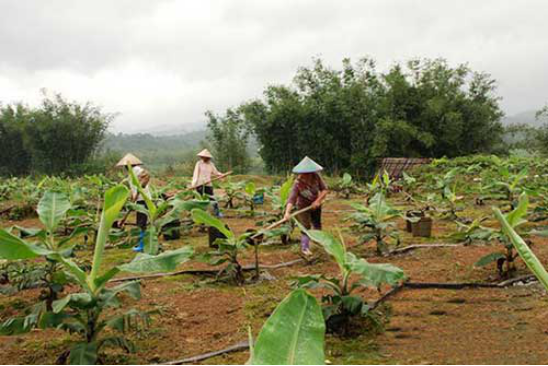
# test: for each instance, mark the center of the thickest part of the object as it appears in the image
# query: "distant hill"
(155, 150)
(527, 117)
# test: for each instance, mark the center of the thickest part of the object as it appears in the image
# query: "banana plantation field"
(443, 265)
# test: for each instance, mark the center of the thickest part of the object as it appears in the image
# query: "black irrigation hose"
(203, 271)
(242, 346)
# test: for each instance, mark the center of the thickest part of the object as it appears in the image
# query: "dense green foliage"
(347, 119)
(532, 138)
(57, 137)
(229, 139)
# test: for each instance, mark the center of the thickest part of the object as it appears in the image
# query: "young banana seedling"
(228, 248)
(83, 312)
(341, 303)
(376, 222)
(505, 259)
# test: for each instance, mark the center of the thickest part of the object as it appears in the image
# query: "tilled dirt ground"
(195, 314)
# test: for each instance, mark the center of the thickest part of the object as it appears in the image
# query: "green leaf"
(190, 205)
(285, 190)
(14, 326)
(80, 299)
(330, 244)
(488, 259)
(515, 218)
(152, 246)
(148, 201)
(115, 199)
(202, 217)
(523, 250)
(373, 274)
(293, 334)
(166, 261)
(250, 188)
(52, 208)
(14, 248)
(83, 354)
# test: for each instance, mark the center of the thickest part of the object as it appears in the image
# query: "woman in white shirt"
(204, 172)
(144, 178)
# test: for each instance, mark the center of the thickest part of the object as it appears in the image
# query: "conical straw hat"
(205, 154)
(129, 159)
(307, 165)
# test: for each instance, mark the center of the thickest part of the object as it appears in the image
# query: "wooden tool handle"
(209, 181)
(278, 223)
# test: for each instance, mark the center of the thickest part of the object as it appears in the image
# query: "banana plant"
(346, 186)
(526, 254)
(52, 210)
(278, 198)
(376, 222)
(233, 193)
(341, 303)
(451, 198)
(83, 312)
(228, 249)
(249, 194)
(510, 183)
(469, 233)
(507, 256)
(443, 184)
(382, 183)
(293, 335)
(160, 214)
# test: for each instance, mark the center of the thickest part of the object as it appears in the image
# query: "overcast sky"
(164, 63)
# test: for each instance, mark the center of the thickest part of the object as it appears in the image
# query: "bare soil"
(198, 315)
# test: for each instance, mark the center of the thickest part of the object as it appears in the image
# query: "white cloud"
(167, 62)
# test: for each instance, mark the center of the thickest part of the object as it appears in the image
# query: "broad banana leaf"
(202, 217)
(115, 199)
(515, 218)
(52, 208)
(293, 334)
(14, 248)
(285, 190)
(166, 261)
(83, 354)
(373, 274)
(523, 250)
(329, 243)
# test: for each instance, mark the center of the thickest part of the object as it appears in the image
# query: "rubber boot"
(216, 209)
(305, 245)
(141, 245)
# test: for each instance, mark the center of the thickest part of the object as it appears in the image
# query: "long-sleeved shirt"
(138, 171)
(203, 173)
(304, 194)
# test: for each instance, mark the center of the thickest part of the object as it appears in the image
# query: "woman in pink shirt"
(204, 172)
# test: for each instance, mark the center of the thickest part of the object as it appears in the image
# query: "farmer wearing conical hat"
(309, 189)
(144, 179)
(204, 172)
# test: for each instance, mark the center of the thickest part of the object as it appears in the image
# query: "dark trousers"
(311, 219)
(142, 219)
(208, 190)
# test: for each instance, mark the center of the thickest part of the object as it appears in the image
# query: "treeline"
(533, 139)
(349, 118)
(57, 137)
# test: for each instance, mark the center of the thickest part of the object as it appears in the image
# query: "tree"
(347, 119)
(542, 132)
(15, 159)
(61, 135)
(229, 138)
(56, 137)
